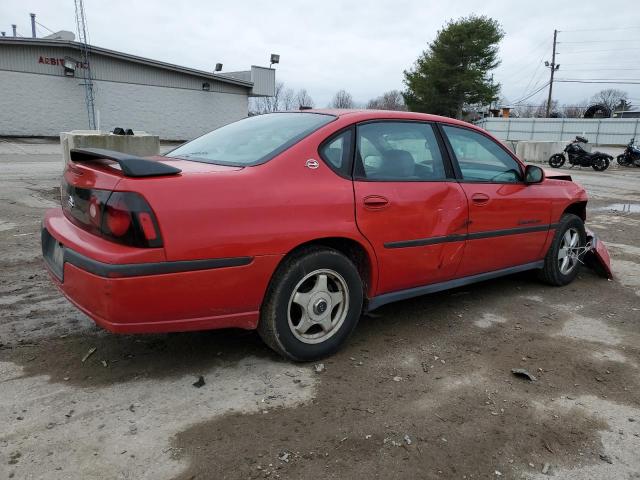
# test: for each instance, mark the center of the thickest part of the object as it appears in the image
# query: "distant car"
(295, 223)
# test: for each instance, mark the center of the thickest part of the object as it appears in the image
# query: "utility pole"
(553, 68)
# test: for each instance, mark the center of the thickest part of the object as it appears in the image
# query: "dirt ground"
(424, 388)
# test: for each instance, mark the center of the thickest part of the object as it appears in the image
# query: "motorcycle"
(579, 156)
(630, 156)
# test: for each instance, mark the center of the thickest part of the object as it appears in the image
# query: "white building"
(42, 91)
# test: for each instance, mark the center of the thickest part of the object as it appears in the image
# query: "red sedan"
(295, 223)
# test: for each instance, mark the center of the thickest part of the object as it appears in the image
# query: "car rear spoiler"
(130, 165)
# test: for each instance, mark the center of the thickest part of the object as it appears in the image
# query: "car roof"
(359, 115)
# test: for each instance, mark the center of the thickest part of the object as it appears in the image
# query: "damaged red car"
(295, 223)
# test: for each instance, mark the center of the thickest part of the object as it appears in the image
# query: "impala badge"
(71, 202)
(312, 164)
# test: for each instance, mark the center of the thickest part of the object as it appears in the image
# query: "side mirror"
(533, 174)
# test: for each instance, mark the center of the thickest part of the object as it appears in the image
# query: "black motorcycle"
(630, 156)
(578, 156)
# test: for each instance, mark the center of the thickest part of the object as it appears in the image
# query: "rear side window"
(398, 151)
(480, 158)
(337, 152)
(253, 140)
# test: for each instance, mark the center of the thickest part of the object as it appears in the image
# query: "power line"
(598, 51)
(601, 41)
(531, 95)
(598, 29)
(623, 82)
(519, 73)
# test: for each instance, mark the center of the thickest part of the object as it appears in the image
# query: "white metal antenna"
(85, 66)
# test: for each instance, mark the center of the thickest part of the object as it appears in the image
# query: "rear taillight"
(123, 217)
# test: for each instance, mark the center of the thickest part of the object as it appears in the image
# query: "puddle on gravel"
(620, 207)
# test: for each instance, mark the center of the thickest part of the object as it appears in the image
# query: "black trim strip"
(419, 242)
(157, 268)
(109, 270)
(385, 298)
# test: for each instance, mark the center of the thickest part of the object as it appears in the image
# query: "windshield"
(253, 140)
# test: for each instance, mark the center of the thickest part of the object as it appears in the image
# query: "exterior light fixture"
(206, 86)
(218, 68)
(275, 58)
(69, 67)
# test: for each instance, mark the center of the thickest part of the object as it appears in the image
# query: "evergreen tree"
(454, 70)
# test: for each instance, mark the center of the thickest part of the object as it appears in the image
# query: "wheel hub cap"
(319, 307)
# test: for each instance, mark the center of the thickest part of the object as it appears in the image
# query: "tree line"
(286, 98)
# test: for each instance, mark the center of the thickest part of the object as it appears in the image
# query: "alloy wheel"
(318, 306)
(570, 249)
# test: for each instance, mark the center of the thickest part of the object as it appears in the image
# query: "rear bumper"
(153, 297)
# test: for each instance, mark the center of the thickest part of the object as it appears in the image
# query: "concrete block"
(141, 144)
(540, 151)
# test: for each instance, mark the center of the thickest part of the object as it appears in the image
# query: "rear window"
(253, 140)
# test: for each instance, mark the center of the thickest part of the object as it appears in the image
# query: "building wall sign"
(59, 61)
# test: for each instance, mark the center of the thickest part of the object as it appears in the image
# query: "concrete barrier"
(539, 151)
(140, 144)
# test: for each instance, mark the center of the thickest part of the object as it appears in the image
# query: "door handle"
(375, 202)
(480, 199)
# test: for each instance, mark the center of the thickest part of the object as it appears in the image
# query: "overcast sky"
(361, 46)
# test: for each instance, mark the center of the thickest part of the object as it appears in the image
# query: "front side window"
(398, 151)
(480, 158)
(253, 140)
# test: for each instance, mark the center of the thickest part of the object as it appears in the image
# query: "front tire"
(623, 160)
(562, 262)
(313, 303)
(556, 160)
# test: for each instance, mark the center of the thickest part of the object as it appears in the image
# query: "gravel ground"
(423, 390)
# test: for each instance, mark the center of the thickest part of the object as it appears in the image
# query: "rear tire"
(556, 160)
(601, 164)
(561, 264)
(312, 305)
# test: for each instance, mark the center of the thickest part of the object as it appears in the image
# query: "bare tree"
(610, 97)
(525, 111)
(541, 110)
(391, 100)
(288, 100)
(303, 99)
(575, 111)
(261, 105)
(342, 99)
(283, 99)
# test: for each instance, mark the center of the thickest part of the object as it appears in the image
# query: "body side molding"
(418, 242)
(385, 298)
